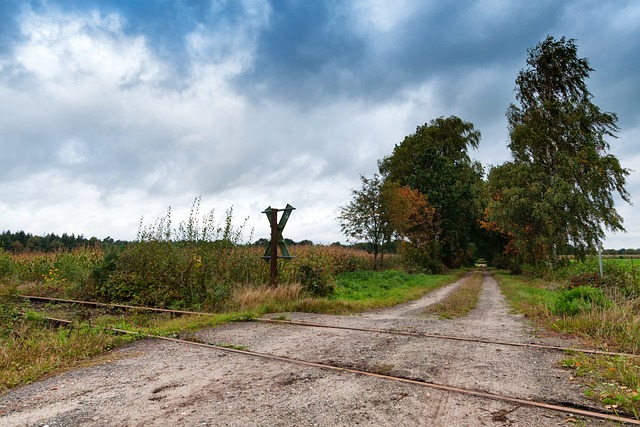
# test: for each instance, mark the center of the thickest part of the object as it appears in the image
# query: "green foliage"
(316, 278)
(374, 289)
(147, 273)
(557, 193)
(364, 217)
(620, 281)
(435, 161)
(195, 228)
(417, 260)
(576, 300)
(10, 305)
(6, 265)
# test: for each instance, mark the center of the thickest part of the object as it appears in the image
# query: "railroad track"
(566, 409)
(558, 407)
(350, 328)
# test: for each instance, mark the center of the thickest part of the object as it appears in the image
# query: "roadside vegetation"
(227, 279)
(602, 312)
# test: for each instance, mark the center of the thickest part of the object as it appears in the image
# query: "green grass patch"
(369, 289)
(532, 297)
(33, 349)
(612, 380)
(460, 302)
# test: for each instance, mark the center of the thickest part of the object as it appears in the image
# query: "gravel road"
(159, 383)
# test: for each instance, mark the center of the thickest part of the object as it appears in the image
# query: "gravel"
(159, 383)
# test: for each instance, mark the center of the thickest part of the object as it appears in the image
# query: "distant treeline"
(20, 241)
(621, 252)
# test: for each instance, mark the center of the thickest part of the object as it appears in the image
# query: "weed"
(382, 369)
(613, 380)
(266, 298)
(230, 346)
(33, 350)
(580, 299)
(460, 302)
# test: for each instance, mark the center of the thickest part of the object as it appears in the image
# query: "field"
(233, 282)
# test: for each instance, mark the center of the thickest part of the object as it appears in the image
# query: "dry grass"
(32, 351)
(251, 298)
(616, 327)
(460, 302)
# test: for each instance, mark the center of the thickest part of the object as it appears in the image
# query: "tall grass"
(33, 350)
(611, 324)
(176, 274)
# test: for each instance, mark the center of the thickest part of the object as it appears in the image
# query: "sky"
(114, 111)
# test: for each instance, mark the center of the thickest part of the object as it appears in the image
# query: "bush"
(420, 261)
(316, 279)
(618, 282)
(580, 299)
(155, 273)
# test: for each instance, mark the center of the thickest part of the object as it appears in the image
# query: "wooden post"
(274, 247)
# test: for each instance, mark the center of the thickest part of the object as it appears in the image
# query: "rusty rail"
(417, 382)
(349, 328)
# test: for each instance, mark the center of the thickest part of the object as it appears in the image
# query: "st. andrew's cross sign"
(277, 241)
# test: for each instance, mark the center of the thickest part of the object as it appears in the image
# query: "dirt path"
(155, 383)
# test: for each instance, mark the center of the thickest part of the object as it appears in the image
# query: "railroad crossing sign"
(277, 240)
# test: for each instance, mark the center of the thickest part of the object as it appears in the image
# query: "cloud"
(111, 109)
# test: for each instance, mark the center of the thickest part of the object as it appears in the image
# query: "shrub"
(316, 278)
(419, 261)
(618, 282)
(149, 273)
(580, 299)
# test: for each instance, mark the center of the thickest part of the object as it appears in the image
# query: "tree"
(557, 192)
(364, 217)
(435, 161)
(412, 219)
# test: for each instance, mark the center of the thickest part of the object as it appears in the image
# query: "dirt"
(158, 383)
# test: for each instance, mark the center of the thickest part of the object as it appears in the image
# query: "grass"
(34, 350)
(369, 289)
(532, 297)
(29, 349)
(460, 302)
(355, 292)
(614, 381)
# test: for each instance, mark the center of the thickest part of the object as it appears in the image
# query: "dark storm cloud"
(129, 105)
(314, 50)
